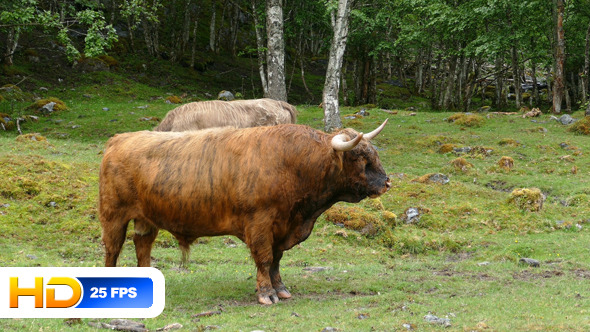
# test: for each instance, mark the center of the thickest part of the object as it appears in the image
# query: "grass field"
(459, 261)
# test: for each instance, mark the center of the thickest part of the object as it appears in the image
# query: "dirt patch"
(533, 275)
(500, 186)
(459, 257)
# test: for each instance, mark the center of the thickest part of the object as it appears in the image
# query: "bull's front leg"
(264, 290)
(275, 276)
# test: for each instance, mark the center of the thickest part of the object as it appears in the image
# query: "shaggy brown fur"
(264, 185)
(236, 113)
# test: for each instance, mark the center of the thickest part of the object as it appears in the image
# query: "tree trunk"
(366, 73)
(235, 21)
(260, 50)
(558, 82)
(499, 82)
(345, 100)
(131, 27)
(275, 55)
(586, 67)
(516, 76)
(337, 48)
(535, 96)
(11, 44)
(194, 46)
(186, 31)
(212, 29)
(470, 86)
(450, 83)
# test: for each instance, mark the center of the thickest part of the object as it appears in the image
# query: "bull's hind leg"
(275, 276)
(113, 237)
(145, 235)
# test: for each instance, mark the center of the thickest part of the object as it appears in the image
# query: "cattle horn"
(376, 132)
(339, 143)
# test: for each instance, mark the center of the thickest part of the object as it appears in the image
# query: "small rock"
(76, 126)
(483, 263)
(409, 327)
(579, 227)
(565, 119)
(5, 205)
(437, 320)
(563, 145)
(173, 326)
(43, 88)
(86, 96)
(143, 107)
(295, 314)
(530, 261)
(225, 95)
(329, 329)
(48, 108)
(52, 204)
(31, 257)
(207, 313)
(411, 215)
(73, 321)
(106, 109)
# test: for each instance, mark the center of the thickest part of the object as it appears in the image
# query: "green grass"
(380, 281)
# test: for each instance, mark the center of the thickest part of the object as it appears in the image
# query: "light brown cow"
(235, 113)
(264, 185)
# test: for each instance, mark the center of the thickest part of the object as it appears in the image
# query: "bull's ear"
(376, 132)
(339, 142)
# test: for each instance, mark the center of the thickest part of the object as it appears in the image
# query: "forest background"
(461, 55)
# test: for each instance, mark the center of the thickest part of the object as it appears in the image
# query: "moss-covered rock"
(509, 142)
(581, 127)
(466, 119)
(38, 105)
(447, 147)
(506, 163)
(527, 199)
(174, 100)
(354, 218)
(461, 164)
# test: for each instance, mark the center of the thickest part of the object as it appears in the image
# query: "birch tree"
(339, 20)
(558, 85)
(275, 55)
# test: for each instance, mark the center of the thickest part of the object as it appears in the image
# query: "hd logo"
(81, 292)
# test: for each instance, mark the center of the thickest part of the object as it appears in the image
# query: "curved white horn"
(376, 132)
(339, 143)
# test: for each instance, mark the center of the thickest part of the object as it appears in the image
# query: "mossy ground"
(391, 276)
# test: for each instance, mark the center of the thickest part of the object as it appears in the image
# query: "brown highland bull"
(264, 185)
(235, 113)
